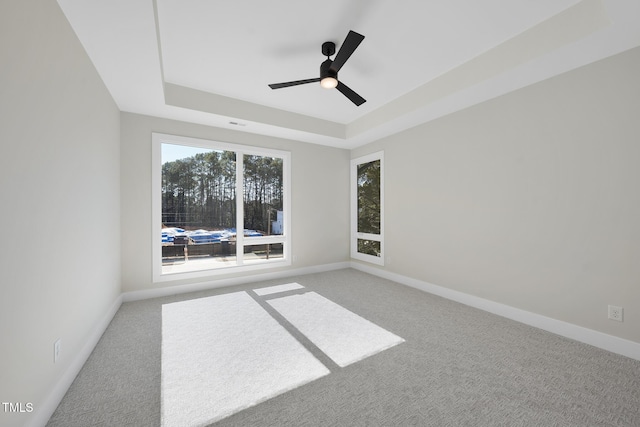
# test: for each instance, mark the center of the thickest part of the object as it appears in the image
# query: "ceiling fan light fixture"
(329, 82)
(329, 68)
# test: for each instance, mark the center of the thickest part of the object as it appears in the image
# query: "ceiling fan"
(329, 69)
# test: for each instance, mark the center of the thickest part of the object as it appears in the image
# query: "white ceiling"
(210, 62)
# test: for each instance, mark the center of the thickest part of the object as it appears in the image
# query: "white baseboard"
(588, 336)
(48, 406)
(224, 282)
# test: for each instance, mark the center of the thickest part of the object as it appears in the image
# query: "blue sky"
(171, 152)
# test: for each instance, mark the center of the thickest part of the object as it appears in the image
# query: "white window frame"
(355, 235)
(157, 139)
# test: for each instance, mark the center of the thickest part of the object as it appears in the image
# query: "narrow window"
(367, 202)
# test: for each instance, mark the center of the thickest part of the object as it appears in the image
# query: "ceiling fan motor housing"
(326, 71)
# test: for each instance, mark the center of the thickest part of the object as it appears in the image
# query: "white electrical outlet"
(56, 350)
(615, 313)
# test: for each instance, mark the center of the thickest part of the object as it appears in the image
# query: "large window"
(217, 206)
(367, 203)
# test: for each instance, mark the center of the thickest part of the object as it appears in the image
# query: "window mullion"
(239, 208)
(369, 236)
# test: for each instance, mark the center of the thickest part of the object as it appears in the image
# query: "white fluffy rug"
(341, 334)
(225, 353)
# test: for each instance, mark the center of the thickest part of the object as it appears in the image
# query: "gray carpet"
(459, 366)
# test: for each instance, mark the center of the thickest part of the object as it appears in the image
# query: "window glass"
(369, 197)
(369, 247)
(198, 188)
(263, 195)
(253, 253)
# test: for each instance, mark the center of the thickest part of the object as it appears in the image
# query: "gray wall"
(319, 210)
(530, 199)
(60, 212)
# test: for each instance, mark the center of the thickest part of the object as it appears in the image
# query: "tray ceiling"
(210, 62)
